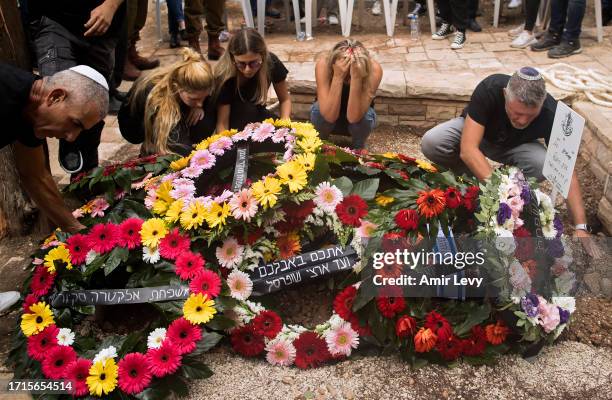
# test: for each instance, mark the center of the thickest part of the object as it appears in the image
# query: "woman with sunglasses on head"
(242, 79)
(347, 80)
(169, 110)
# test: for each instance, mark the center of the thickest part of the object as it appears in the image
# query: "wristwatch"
(583, 227)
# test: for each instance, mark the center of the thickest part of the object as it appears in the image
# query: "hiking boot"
(565, 49)
(139, 61)
(444, 31)
(474, 26)
(215, 50)
(194, 43)
(459, 40)
(546, 42)
(130, 72)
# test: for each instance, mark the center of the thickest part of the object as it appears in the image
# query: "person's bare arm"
(470, 152)
(329, 91)
(101, 18)
(360, 98)
(282, 92)
(223, 116)
(38, 182)
(575, 205)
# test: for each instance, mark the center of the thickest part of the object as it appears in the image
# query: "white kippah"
(91, 74)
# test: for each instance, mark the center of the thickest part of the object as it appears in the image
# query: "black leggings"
(531, 13)
(454, 12)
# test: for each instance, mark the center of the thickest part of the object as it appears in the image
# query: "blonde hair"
(356, 50)
(246, 40)
(162, 107)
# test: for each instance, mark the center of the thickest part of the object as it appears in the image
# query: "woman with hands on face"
(347, 80)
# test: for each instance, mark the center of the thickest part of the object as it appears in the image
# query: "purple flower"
(563, 315)
(558, 225)
(526, 194)
(503, 213)
(529, 304)
(555, 248)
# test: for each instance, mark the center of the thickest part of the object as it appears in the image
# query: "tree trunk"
(17, 213)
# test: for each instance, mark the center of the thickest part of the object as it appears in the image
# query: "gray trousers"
(441, 145)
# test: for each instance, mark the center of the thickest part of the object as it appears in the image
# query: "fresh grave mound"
(310, 211)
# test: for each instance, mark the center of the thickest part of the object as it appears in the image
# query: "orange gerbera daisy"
(431, 203)
(496, 333)
(288, 245)
(424, 340)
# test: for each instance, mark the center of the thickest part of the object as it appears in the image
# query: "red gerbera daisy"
(29, 300)
(184, 335)
(134, 373)
(407, 219)
(189, 264)
(351, 210)
(77, 373)
(405, 326)
(164, 360)
(449, 349)
(363, 329)
(268, 324)
(78, 246)
(431, 203)
(41, 343)
(129, 233)
(389, 307)
(246, 342)
(438, 325)
(57, 359)
(103, 237)
(470, 199)
(453, 197)
(42, 281)
(295, 214)
(475, 344)
(173, 245)
(206, 282)
(343, 303)
(310, 350)
(406, 159)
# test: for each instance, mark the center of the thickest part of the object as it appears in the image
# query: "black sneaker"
(459, 40)
(474, 26)
(444, 31)
(565, 49)
(175, 40)
(546, 42)
(70, 158)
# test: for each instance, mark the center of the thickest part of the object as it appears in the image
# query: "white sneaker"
(459, 41)
(515, 3)
(376, 8)
(523, 40)
(7, 299)
(332, 20)
(514, 32)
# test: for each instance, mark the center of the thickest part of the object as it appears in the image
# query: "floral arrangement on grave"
(296, 209)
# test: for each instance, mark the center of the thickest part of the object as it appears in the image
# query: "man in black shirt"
(504, 121)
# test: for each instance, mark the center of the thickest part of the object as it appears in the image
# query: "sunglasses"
(251, 64)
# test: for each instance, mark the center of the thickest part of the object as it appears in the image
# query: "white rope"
(596, 87)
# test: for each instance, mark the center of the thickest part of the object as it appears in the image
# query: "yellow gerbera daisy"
(39, 317)
(217, 214)
(194, 216)
(265, 191)
(179, 164)
(306, 160)
(153, 231)
(383, 200)
(58, 257)
(309, 144)
(282, 123)
(102, 377)
(426, 166)
(160, 207)
(174, 211)
(198, 309)
(390, 155)
(163, 192)
(293, 175)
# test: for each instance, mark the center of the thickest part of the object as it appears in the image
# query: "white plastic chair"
(431, 9)
(390, 11)
(346, 16)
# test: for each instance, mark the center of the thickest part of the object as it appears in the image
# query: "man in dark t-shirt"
(504, 121)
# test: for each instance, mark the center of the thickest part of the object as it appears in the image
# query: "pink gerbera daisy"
(129, 233)
(134, 373)
(230, 254)
(192, 171)
(262, 132)
(280, 352)
(243, 205)
(279, 135)
(342, 339)
(165, 360)
(206, 282)
(103, 237)
(203, 158)
(42, 281)
(182, 191)
(174, 244)
(220, 145)
(41, 343)
(78, 246)
(77, 373)
(189, 264)
(56, 360)
(184, 335)
(98, 206)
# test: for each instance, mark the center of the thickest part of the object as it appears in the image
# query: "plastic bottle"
(414, 27)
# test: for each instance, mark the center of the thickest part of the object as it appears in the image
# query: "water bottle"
(414, 27)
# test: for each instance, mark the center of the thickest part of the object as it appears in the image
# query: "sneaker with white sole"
(332, 20)
(376, 8)
(8, 299)
(523, 40)
(514, 32)
(515, 3)
(444, 31)
(459, 41)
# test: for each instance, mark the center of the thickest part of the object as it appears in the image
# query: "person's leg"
(573, 25)
(213, 11)
(139, 20)
(531, 14)
(472, 24)
(321, 125)
(173, 23)
(441, 144)
(361, 130)
(459, 10)
(446, 13)
(552, 37)
(529, 157)
(194, 9)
